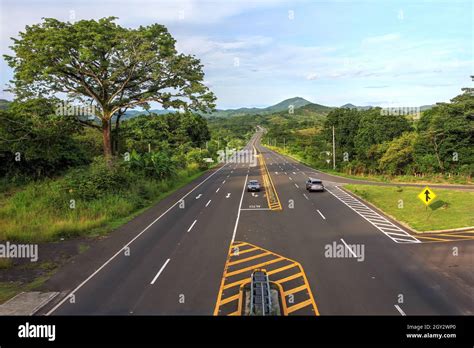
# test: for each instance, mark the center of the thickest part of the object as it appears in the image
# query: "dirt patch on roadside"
(19, 272)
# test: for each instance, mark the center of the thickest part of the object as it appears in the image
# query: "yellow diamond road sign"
(427, 196)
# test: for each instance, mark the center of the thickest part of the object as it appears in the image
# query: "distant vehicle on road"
(314, 185)
(253, 186)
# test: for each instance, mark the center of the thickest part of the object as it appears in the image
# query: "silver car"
(314, 185)
(253, 186)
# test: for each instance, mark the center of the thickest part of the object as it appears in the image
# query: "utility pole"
(333, 149)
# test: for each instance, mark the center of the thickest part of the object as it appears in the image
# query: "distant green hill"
(297, 102)
(4, 104)
(283, 106)
(352, 106)
(135, 113)
(314, 108)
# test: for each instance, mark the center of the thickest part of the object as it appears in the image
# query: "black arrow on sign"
(427, 194)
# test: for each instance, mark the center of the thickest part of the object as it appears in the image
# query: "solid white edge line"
(159, 272)
(192, 225)
(349, 248)
(130, 242)
(321, 214)
(400, 310)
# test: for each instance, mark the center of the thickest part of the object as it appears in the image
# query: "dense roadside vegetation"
(437, 147)
(62, 187)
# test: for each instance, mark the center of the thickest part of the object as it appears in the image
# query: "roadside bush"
(97, 180)
(158, 165)
(197, 156)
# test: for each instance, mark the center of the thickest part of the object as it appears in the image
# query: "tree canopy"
(99, 63)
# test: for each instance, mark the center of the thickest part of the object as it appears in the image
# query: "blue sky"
(257, 53)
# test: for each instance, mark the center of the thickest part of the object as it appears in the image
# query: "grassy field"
(450, 209)
(37, 213)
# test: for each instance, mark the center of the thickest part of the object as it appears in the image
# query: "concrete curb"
(27, 303)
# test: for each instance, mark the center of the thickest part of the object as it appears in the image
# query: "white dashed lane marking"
(192, 225)
(321, 214)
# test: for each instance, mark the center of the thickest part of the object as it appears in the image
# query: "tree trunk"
(107, 140)
(115, 134)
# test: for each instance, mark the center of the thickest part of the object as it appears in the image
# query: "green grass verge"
(450, 209)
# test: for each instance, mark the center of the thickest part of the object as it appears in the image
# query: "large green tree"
(106, 66)
(376, 128)
(163, 131)
(346, 124)
(446, 135)
(35, 142)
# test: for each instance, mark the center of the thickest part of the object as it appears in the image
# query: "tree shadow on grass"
(439, 204)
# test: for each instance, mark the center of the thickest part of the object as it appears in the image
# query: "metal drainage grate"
(260, 296)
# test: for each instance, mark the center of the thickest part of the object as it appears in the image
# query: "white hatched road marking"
(392, 231)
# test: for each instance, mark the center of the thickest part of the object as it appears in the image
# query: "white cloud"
(200, 45)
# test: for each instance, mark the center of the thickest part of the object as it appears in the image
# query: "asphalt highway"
(174, 259)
